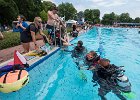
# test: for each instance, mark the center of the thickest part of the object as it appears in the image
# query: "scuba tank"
(125, 87)
(122, 81)
(123, 84)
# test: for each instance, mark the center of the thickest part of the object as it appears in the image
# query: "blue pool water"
(57, 78)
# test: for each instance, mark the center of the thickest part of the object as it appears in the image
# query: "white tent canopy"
(71, 21)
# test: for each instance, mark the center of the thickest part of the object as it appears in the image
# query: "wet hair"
(104, 60)
(80, 43)
(22, 17)
(93, 53)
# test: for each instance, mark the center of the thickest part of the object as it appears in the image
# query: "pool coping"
(42, 59)
(45, 57)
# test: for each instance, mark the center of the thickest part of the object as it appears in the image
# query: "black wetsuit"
(90, 63)
(106, 82)
(79, 51)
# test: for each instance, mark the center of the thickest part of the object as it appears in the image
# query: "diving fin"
(82, 76)
(130, 95)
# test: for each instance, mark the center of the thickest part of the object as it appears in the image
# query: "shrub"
(10, 39)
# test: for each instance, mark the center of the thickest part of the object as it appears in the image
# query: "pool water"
(58, 78)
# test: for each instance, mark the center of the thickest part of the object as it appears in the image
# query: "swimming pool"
(57, 78)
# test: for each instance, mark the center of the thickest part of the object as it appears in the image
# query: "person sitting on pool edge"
(61, 40)
(106, 80)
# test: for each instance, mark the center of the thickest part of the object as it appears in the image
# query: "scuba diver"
(111, 78)
(79, 50)
(91, 60)
(78, 53)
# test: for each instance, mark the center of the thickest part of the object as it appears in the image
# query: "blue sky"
(106, 6)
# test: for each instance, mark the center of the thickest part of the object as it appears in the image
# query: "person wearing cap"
(21, 25)
(31, 34)
(106, 80)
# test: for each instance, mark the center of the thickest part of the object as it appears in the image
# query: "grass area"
(11, 39)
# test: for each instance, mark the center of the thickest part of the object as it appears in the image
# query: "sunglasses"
(39, 22)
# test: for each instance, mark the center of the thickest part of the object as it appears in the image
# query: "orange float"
(13, 81)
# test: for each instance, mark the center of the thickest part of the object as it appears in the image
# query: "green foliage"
(92, 15)
(80, 15)
(8, 11)
(10, 39)
(43, 15)
(125, 18)
(110, 19)
(29, 8)
(47, 5)
(105, 19)
(67, 10)
(137, 20)
(32, 8)
(88, 15)
(96, 14)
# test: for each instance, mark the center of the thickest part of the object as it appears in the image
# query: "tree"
(105, 19)
(8, 12)
(43, 15)
(80, 15)
(37, 7)
(92, 15)
(137, 20)
(88, 15)
(125, 18)
(47, 5)
(110, 19)
(67, 10)
(29, 8)
(96, 14)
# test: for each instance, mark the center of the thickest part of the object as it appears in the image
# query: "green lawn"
(11, 39)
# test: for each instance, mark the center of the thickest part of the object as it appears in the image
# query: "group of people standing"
(108, 76)
(30, 33)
